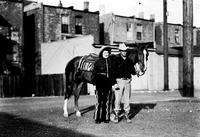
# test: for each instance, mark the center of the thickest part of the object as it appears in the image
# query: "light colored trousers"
(123, 94)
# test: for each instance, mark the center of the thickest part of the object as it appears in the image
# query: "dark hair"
(104, 49)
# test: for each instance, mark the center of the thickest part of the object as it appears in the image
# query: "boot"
(116, 118)
(128, 120)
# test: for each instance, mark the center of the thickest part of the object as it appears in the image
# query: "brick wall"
(52, 23)
(48, 21)
(115, 29)
(106, 23)
(12, 11)
(175, 35)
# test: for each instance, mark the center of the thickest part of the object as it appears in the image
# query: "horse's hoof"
(65, 115)
(78, 114)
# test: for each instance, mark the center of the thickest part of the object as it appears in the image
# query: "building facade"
(54, 23)
(11, 11)
(175, 35)
(175, 39)
(116, 29)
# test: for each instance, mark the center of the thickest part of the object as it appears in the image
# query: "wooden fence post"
(1, 87)
(188, 83)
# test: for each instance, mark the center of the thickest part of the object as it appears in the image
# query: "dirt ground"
(42, 117)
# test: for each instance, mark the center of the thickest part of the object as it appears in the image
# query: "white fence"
(153, 79)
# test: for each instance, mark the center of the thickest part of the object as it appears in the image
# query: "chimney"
(86, 5)
(60, 4)
(152, 17)
(141, 15)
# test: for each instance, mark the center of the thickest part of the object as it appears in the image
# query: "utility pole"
(165, 48)
(188, 83)
(113, 29)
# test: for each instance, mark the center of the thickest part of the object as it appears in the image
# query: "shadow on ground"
(84, 110)
(136, 108)
(14, 126)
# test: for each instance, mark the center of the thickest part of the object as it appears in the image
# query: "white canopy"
(56, 55)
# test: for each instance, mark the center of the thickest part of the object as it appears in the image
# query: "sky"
(134, 7)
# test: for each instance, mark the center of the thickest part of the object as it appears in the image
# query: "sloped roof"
(8, 44)
(4, 22)
(27, 2)
(147, 44)
(177, 51)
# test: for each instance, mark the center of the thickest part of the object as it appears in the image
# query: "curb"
(154, 91)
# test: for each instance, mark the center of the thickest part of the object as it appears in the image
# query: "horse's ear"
(137, 45)
(143, 47)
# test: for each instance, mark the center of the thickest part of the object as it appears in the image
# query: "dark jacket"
(103, 69)
(124, 68)
(101, 72)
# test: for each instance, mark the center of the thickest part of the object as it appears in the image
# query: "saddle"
(86, 63)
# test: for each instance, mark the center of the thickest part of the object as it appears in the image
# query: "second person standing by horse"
(104, 79)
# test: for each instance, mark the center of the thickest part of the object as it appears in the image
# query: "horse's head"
(139, 56)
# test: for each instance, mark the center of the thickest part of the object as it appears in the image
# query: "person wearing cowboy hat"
(104, 79)
(122, 90)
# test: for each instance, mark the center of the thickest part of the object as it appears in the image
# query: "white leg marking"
(65, 114)
(78, 113)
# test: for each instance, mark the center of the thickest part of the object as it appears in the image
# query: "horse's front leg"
(78, 113)
(65, 114)
(76, 97)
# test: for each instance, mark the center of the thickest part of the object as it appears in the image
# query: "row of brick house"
(32, 24)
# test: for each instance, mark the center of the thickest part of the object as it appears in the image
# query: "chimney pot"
(152, 17)
(141, 15)
(86, 5)
(60, 4)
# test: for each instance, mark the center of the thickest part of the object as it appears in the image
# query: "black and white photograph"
(99, 68)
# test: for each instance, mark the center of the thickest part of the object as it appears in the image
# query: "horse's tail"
(70, 72)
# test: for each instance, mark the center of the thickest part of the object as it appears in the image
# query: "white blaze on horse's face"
(145, 61)
(141, 66)
(138, 70)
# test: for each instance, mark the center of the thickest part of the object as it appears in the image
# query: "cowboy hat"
(122, 47)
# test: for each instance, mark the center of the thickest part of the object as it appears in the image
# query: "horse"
(75, 77)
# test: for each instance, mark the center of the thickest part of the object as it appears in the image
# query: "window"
(139, 32)
(65, 24)
(129, 29)
(139, 27)
(78, 24)
(177, 36)
(139, 35)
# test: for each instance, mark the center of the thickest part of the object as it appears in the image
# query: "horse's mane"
(133, 55)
